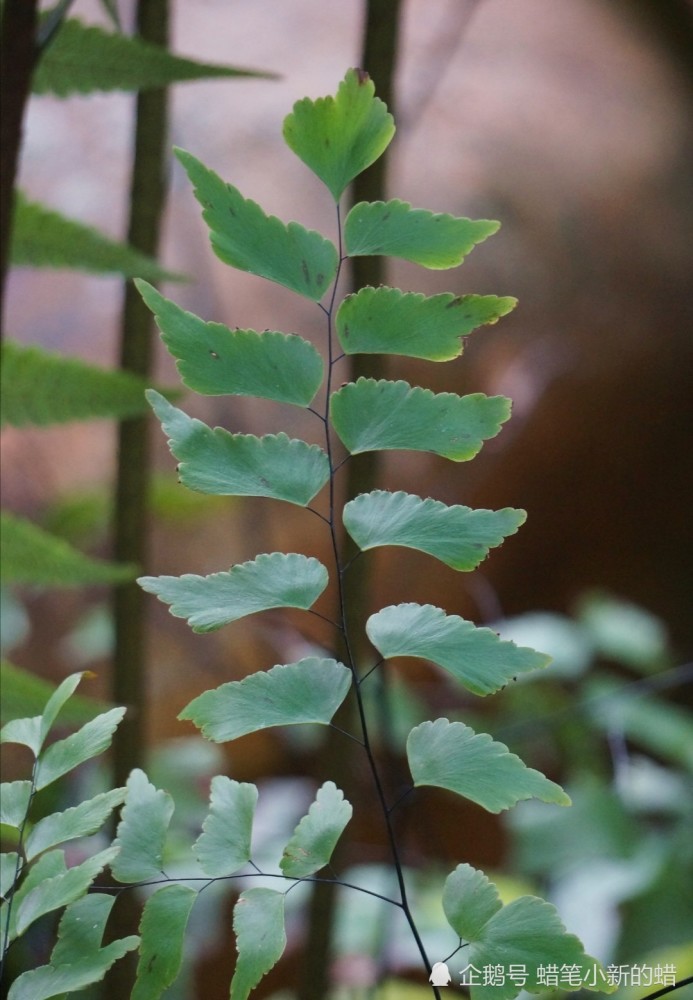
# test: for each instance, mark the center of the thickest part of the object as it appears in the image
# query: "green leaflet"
(32, 732)
(274, 580)
(28, 554)
(258, 921)
(224, 464)
(338, 137)
(44, 238)
(289, 694)
(82, 59)
(395, 229)
(527, 934)
(458, 536)
(14, 802)
(217, 361)
(451, 755)
(10, 869)
(78, 821)
(224, 844)
(372, 415)
(56, 702)
(247, 239)
(64, 755)
(316, 835)
(389, 321)
(162, 931)
(141, 833)
(81, 928)
(475, 656)
(49, 981)
(24, 693)
(39, 388)
(77, 960)
(52, 893)
(48, 866)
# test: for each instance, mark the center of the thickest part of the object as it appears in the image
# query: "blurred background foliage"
(572, 125)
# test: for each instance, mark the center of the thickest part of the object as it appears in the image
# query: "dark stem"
(147, 197)
(19, 55)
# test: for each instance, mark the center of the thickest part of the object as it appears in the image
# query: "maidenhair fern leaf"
(258, 920)
(526, 938)
(245, 237)
(162, 931)
(338, 137)
(459, 536)
(316, 836)
(290, 694)
(451, 755)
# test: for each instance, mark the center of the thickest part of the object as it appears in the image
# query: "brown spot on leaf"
(304, 268)
(363, 77)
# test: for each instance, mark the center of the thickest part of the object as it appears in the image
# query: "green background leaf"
(224, 464)
(162, 931)
(274, 580)
(141, 833)
(389, 321)
(247, 239)
(474, 656)
(451, 755)
(28, 554)
(84, 58)
(258, 920)
(458, 536)
(316, 835)
(44, 238)
(39, 388)
(289, 694)
(217, 361)
(224, 844)
(338, 137)
(372, 415)
(395, 229)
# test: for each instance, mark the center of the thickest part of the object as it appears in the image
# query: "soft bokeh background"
(569, 122)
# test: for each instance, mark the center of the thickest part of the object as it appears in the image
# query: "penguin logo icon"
(440, 975)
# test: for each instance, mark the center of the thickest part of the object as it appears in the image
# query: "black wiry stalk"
(378, 59)
(351, 662)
